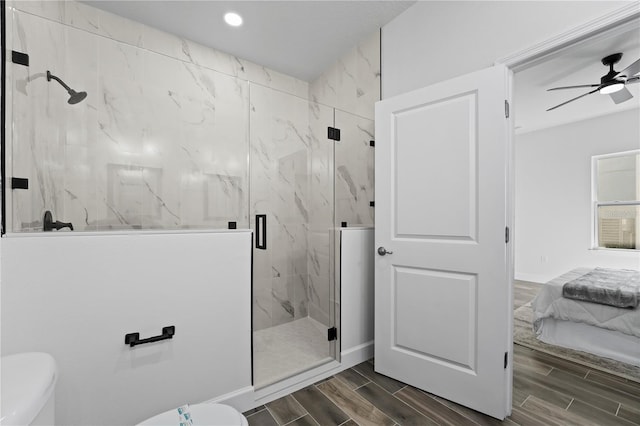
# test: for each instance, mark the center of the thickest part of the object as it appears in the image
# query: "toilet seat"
(28, 382)
(202, 414)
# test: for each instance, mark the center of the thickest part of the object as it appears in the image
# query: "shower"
(74, 97)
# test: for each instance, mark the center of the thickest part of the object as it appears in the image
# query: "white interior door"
(442, 291)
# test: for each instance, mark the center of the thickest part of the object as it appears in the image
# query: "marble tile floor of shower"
(287, 349)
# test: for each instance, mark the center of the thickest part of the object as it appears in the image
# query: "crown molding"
(619, 20)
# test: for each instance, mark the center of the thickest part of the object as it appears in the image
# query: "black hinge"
(332, 334)
(372, 143)
(333, 133)
(506, 235)
(19, 183)
(19, 58)
(506, 359)
(372, 203)
(506, 109)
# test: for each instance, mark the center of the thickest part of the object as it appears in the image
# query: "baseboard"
(533, 278)
(242, 399)
(292, 384)
(356, 355)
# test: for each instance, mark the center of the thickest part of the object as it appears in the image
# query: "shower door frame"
(3, 100)
(327, 226)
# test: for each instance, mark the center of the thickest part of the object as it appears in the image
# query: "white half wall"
(356, 293)
(436, 40)
(553, 195)
(75, 296)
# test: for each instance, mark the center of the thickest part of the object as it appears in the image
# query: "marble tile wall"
(158, 106)
(280, 189)
(321, 235)
(166, 136)
(101, 23)
(49, 137)
(292, 183)
(354, 170)
(339, 177)
(351, 86)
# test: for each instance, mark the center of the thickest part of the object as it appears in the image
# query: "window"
(616, 200)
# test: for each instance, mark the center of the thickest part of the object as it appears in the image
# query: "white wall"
(553, 195)
(75, 296)
(356, 294)
(436, 40)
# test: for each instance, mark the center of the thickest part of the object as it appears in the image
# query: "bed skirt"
(587, 338)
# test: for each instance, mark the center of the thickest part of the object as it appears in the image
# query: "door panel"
(442, 297)
(428, 211)
(425, 296)
(291, 195)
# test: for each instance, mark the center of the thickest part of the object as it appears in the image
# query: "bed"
(603, 330)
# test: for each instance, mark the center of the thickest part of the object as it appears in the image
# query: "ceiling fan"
(613, 83)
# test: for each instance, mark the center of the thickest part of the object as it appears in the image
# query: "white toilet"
(28, 385)
(202, 414)
(27, 398)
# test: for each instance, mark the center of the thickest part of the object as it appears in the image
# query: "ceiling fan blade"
(621, 95)
(631, 70)
(633, 80)
(581, 86)
(571, 100)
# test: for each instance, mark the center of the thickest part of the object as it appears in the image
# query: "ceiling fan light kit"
(612, 87)
(613, 83)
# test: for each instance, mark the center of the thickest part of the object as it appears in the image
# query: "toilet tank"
(28, 384)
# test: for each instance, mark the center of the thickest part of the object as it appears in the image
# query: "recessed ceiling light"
(233, 19)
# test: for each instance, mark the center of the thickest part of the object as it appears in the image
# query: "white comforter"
(549, 303)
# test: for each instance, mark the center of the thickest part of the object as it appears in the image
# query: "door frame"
(615, 22)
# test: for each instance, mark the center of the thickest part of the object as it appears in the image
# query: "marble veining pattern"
(101, 23)
(321, 220)
(122, 109)
(280, 188)
(145, 111)
(354, 158)
(352, 84)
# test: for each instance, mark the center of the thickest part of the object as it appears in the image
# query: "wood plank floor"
(546, 391)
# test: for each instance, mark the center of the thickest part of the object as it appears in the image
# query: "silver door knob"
(382, 251)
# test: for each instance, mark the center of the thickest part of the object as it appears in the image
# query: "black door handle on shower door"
(261, 231)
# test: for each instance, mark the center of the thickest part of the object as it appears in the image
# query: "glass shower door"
(292, 212)
(45, 128)
(354, 161)
(156, 144)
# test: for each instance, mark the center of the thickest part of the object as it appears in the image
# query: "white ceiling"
(580, 64)
(298, 38)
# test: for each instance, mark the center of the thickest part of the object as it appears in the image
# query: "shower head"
(74, 97)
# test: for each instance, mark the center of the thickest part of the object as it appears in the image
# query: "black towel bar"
(133, 339)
